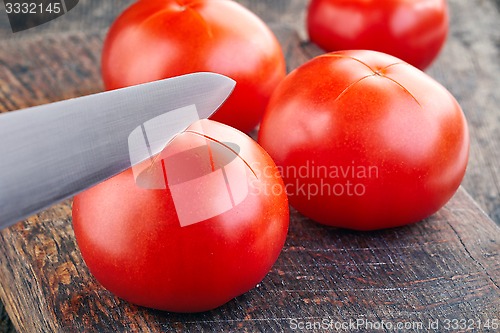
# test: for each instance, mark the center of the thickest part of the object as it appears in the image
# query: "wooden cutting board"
(442, 269)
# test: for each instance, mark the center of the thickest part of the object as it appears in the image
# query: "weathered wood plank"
(42, 70)
(469, 67)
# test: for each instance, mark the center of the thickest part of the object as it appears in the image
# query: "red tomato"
(365, 141)
(412, 30)
(208, 236)
(155, 39)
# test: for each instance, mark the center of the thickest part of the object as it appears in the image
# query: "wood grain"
(445, 267)
(47, 69)
(469, 66)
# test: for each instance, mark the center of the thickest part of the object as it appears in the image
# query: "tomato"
(155, 39)
(414, 31)
(365, 141)
(210, 232)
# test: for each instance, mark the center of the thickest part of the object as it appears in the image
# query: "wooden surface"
(442, 269)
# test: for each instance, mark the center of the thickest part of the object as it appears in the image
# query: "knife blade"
(50, 152)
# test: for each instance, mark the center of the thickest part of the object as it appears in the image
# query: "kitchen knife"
(53, 151)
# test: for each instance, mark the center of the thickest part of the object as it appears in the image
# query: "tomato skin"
(132, 241)
(394, 134)
(153, 40)
(414, 31)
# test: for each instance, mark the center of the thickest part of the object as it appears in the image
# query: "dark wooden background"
(457, 260)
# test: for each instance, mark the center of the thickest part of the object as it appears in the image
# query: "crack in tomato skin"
(344, 56)
(376, 72)
(225, 146)
(158, 157)
(154, 160)
(350, 86)
(382, 70)
(406, 90)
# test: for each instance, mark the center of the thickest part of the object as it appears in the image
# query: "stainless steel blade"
(53, 151)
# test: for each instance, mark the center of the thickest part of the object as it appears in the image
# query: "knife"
(54, 151)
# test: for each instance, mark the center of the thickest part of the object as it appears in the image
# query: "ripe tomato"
(412, 30)
(210, 232)
(365, 141)
(155, 39)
